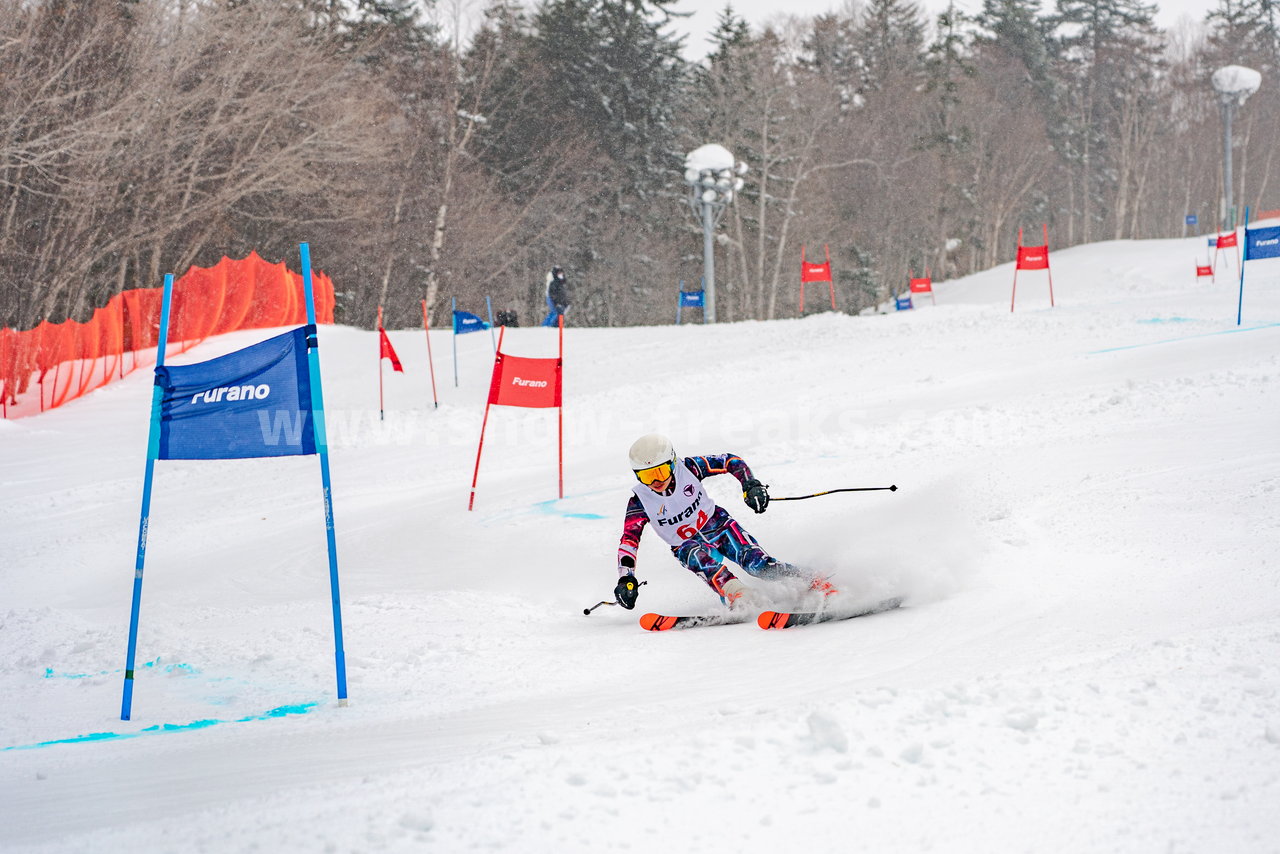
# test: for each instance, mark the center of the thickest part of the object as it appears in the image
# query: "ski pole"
(587, 611)
(893, 488)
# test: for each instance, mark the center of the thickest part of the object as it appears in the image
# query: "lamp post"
(1234, 84)
(713, 178)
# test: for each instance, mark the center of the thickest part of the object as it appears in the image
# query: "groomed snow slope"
(1086, 531)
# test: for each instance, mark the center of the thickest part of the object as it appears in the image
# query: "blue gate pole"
(144, 520)
(489, 304)
(454, 315)
(322, 448)
(1244, 260)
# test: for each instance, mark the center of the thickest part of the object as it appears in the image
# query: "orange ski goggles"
(655, 474)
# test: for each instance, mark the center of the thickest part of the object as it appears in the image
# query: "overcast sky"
(760, 12)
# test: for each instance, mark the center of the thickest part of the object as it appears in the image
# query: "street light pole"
(1234, 84)
(709, 261)
(1228, 182)
(713, 178)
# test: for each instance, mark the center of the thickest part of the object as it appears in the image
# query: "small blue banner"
(1192, 219)
(1213, 242)
(1261, 243)
(902, 303)
(465, 321)
(692, 298)
(255, 402)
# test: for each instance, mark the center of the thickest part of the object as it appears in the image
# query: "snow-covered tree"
(1109, 57)
(889, 40)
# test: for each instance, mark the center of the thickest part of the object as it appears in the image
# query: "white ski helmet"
(651, 450)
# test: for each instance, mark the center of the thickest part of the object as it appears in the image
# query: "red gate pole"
(484, 423)
(426, 326)
(1048, 268)
(831, 281)
(802, 278)
(122, 308)
(381, 412)
(1017, 252)
(476, 476)
(560, 408)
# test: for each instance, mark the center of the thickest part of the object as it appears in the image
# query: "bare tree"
(224, 120)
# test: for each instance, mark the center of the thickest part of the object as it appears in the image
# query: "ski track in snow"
(1085, 530)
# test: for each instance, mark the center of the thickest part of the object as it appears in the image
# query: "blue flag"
(255, 402)
(1261, 243)
(691, 298)
(465, 321)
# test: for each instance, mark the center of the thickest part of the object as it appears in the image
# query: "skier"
(557, 296)
(670, 495)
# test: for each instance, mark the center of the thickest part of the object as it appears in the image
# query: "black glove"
(627, 591)
(756, 494)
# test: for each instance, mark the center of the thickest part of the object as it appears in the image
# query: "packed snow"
(711, 156)
(1236, 80)
(1085, 531)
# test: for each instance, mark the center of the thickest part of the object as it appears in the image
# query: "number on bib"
(685, 532)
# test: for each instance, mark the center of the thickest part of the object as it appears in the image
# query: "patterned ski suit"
(701, 535)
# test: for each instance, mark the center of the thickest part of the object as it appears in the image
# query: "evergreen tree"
(1014, 29)
(889, 42)
(726, 82)
(1243, 32)
(727, 111)
(948, 63)
(614, 72)
(857, 273)
(731, 34)
(518, 140)
(830, 51)
(388, 30)
(1109, 56)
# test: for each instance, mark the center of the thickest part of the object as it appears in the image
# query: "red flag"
(386, 351)
(810, 272)
(1226, 241)
(1203, 270)
(922, 286)
(1033, 257)
(520, 381)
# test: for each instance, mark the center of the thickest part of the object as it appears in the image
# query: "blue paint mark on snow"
(157, 729)
(1168, 320)
(550, 509)
(50, 673)
(1184, 338)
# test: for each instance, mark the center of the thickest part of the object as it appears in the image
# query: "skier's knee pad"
(698, 558)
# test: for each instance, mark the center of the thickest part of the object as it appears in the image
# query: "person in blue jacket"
(557, 296)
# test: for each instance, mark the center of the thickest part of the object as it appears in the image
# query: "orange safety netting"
(53, 363)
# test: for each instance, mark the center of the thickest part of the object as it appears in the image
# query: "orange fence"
(47, 366)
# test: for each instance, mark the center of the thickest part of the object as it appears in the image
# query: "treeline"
(139, 137)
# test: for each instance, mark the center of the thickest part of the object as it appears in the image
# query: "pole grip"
(587, 611)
